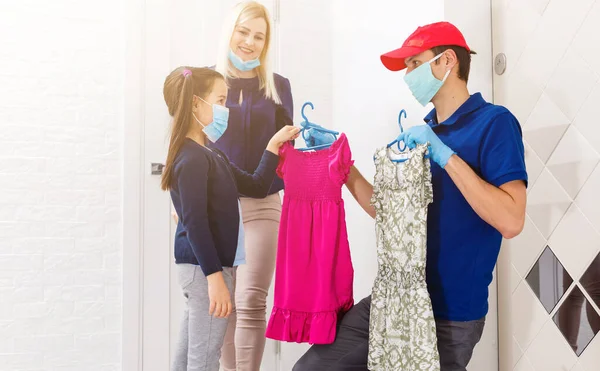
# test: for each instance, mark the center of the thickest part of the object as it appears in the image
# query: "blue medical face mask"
(423, 84)
(217, 127)
(243, 65)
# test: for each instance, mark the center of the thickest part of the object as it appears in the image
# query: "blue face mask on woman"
(423, 84)
(243, 65)
(217, 127)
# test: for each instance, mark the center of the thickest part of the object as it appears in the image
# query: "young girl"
(260, 102)
(204, 187)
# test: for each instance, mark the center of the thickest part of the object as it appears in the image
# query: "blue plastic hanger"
(396, 141)
(306, 124)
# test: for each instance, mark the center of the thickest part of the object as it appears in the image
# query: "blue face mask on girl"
(243, 65)
(423, 84)
(217, 127)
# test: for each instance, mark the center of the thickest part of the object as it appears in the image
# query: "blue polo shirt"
(462, 248)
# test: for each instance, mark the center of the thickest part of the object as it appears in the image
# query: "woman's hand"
(286, 134)
(220, 298)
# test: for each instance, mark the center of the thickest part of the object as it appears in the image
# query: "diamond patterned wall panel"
(587, 119)
(524, 365)
(591, 285)
(587, 41)
(575, 242)
(577, 320)
(533, 163)
(548, 279)
(549, 351)
(588, 199)
(538, 5)
(571, 83)
(547, 203)
(552, 85)
(573, 161)
(520, 105)
(528, 315)
(544, 127)
(552, 37)
(590, 358)
(526, 247)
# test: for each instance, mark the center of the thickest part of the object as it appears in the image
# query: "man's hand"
(421, 134)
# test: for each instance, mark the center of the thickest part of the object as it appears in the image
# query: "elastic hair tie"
(186, 72)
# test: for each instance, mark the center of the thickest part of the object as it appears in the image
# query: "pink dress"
(314, 276)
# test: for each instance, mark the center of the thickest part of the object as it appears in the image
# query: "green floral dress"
(402, 328)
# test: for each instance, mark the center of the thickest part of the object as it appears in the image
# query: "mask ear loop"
(435, 59)
(198, 121)
(194, 114)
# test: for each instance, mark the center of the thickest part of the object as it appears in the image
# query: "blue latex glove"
(317, 138)
(421, 134)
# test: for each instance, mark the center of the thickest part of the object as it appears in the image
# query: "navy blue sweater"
(205, 193)
(253, 122)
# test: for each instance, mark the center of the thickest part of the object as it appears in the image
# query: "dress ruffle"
(340, 160)
(305, 327)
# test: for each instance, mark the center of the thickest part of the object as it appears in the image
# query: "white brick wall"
(61, 77)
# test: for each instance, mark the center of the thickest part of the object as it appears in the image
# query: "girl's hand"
(220, 298)
(286, 134)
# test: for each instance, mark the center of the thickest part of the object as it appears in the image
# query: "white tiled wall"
(60, 122)
(552, 84)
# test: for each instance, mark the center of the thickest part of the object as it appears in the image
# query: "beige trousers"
(245, 338)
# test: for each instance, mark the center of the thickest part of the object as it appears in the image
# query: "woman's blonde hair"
(241, 13)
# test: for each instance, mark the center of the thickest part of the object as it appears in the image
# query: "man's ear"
(450, 59)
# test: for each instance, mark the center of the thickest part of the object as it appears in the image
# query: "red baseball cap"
(424, 38)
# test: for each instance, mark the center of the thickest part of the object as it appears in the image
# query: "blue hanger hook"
(303, 114)
(402, 113)
(305, 124)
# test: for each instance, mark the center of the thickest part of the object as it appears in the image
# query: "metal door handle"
(156, 168)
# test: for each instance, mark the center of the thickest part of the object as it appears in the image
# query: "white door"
(177, 32)
(476, 25)
(551, 83)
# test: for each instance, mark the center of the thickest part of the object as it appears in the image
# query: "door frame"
(135, 171)
(134, 168)
(472, 17)
(133, 184)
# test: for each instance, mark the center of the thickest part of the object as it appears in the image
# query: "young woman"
(204, 188)
(260, 103)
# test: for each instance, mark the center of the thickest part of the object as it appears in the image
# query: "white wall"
(60, 207)
(367, 99)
